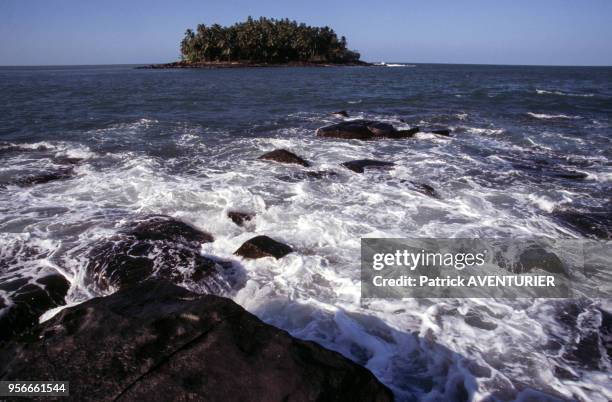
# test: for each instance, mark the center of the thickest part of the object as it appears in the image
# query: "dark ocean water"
(530, 155)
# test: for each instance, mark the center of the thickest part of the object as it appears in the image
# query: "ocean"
(530, 155)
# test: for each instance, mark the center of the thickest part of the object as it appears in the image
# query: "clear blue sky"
(566, 32)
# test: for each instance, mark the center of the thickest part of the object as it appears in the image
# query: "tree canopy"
(265, 40)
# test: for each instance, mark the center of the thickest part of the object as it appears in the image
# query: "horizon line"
(372, 62)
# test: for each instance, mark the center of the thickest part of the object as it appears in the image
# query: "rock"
(363, 130)
(157, 246)
(536, 257)
(67, 160)
(157, 341)
(284, 156)
(596, 225)
(320, 174)
(29, 301)
(160, 227)
(340, 113)
(240, 218)
(570, 174)
(404, 133)
(263, 246)
(44, 177)
(475, 320)
(300, 175)
(358, 166)
(381, 129)
(346, 130)
(426, 189)
(586, 330)
(445, 132)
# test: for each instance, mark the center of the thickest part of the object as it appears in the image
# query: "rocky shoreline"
(245, 64)
(157, 341)
(153, 334)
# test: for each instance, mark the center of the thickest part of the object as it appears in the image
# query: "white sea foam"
(314, 293)
(487, 131)
(552, 116)
(560, 93)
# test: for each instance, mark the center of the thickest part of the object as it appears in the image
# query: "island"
(263, 42)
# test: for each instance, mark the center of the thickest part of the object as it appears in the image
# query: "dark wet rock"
(167, 229)
(157, 246)
(474, 319)
(29, 301)
(565, 374)
(9, 148)
(157, 339)
(320, 174)
(358, 166)
(444, 132)
(284, 156)
(570, 174)
(426, 189)
(478, 370)
(536, 257)
(56, 287)
(596, 225)
(380, 129)
(363, 130)
(298, 176)
(43, 177)
(404, 133)
(67, 160)
(240, 218)
(586, 333)
(606, 331)
(340, 113)
(263, 246)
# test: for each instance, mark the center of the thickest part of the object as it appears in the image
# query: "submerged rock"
(157, 246)
(43, 177)
(358, 166)
(340, 113)
(240, 218)
(67, 160)
(596, 225)
(536, 257)
(426, 189)
(284, 156)
(263, 246)
(157, 339)
(364, 130)
(29, 299)
(569, 174)
(301, 175)
(443, 132)
(475, 319)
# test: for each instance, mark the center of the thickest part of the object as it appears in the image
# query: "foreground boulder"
(284, 156)
(156, 246)
(364, 130)
(28, 299)
(157, 341)
(263, 246)
(358, 166)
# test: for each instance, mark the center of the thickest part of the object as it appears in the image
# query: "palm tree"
(265, 40)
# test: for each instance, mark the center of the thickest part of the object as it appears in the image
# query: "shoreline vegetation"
(265, 42)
